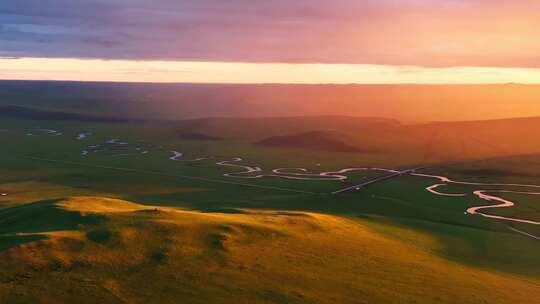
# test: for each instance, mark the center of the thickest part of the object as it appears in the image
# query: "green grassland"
(127, 252)
(184, 231)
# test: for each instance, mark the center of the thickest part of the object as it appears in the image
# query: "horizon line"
(275, 83)
(126, 71)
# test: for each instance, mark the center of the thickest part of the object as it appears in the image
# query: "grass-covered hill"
(429, 142)
(262, 127)
(100, 250)
(314, 140)
(120, 225)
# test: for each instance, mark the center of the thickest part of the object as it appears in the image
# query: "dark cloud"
(416, 32)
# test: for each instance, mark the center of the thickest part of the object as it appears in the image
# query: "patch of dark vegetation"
(198, 136)
(43, 216)
(38, 217)
(316, 140)
(99, 235)
(159, 255)
(217, 241)
(149, 211)
(226, 228)
(9, 241)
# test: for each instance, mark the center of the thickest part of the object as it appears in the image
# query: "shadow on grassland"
(22, 224)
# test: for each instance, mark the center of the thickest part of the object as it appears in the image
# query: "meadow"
(120, 225)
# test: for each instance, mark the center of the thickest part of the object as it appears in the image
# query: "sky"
(301, 41)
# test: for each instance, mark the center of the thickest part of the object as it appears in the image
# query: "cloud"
(414, 32)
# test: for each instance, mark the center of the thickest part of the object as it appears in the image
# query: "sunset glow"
(228, 72)
(278, 151)
(318, 41)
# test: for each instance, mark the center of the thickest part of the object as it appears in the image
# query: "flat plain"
(139, 212)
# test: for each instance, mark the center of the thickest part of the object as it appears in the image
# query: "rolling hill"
(428, 142)
(409, 103)
(263, 127)
(113, 251)
(197, 136)
(419, 143)
(314, 140)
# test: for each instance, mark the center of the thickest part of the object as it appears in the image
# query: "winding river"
(491, 197)
(246, 171)
(286, 173)
(486, 195)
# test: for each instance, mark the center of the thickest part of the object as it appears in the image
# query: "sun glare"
(231, 72)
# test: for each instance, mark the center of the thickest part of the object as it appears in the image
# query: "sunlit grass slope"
(100, 250)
